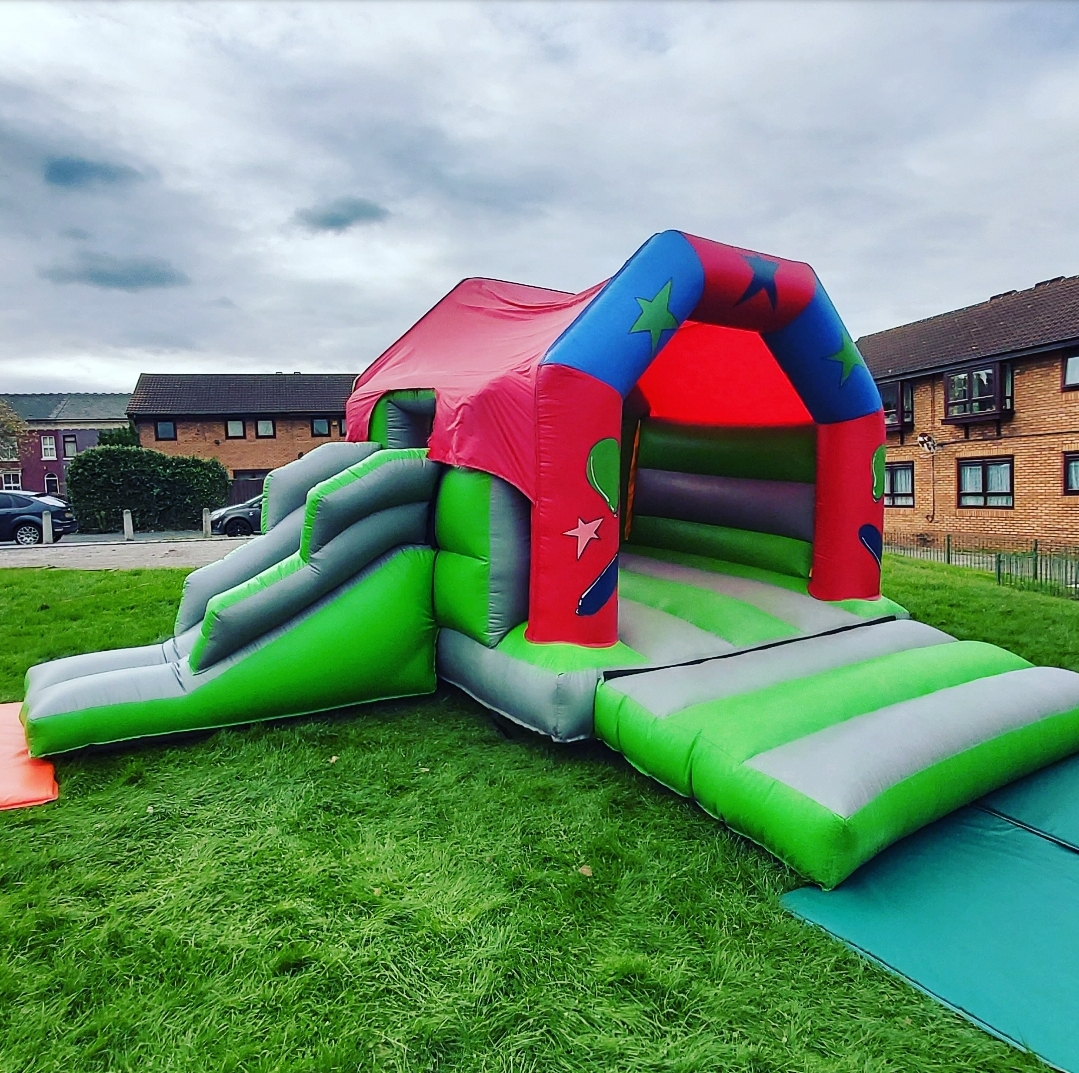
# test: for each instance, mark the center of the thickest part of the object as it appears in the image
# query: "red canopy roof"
(480, 349)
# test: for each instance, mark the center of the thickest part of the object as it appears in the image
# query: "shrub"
(161, 491)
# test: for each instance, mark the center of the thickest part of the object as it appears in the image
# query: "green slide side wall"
(217, 604)
(375, 640)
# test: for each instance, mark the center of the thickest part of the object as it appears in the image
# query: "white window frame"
(12, 480)
(48, 448)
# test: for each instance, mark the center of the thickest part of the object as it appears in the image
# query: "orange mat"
(23, 780)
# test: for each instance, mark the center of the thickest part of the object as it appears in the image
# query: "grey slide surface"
(395, 483)
(49, 674)
(238, 566)
(662, 638)
(286, 488)
(784, 508)
(672, 689)
(561, 705)
(510, 544)
(800, 611)
(845, 766)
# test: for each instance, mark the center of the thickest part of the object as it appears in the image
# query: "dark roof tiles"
(71, 406)
(164, 394)
(1011, 323)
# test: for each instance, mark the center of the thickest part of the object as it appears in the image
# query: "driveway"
(107, 553)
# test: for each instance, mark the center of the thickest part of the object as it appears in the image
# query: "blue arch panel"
(822, 362)
(630, 320)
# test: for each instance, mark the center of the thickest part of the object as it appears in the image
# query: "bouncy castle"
(651, 513)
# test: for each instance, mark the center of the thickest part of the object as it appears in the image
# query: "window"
(71, 447)
(1071, 473)
(320, 426)
(985, 482)
(264, 429)
(899, 484)
(13, 481)
(898, 399)
(165, 430)
(979, 393)
(1071, 371)
(344, 426)
(48, 446)
(52, 485)
(235, 430)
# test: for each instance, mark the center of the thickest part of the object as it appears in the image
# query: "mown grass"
(400, 888)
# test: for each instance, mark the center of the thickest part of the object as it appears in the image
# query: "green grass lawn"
(400, 888)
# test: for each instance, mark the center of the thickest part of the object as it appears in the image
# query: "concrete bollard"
(206, 522)
(129, 528)
(46, 527)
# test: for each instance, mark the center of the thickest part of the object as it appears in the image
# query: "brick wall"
(1045, 425)
(205, 438)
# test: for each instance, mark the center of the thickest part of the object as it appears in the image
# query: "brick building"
(61, 426)
(251, 422)
(982, 412)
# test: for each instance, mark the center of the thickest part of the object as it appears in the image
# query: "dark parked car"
(242, 519)
(20, 517)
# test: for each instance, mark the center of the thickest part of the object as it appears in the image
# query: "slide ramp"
(331, 607)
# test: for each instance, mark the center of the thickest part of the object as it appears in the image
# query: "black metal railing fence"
(1041, 568)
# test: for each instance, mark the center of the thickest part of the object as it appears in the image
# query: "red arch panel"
(708, 375)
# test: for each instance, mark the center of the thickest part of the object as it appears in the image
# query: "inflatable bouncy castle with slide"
(650, 512)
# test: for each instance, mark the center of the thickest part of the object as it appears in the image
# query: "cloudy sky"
(258, 187)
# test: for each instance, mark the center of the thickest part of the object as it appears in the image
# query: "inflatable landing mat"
(826, 749)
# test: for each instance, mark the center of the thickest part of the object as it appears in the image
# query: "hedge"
(161, 491)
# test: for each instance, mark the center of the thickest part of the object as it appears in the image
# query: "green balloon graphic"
(603, 462)
(878, 471)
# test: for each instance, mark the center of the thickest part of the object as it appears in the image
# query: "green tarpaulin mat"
(981, 911)
(1047, 803)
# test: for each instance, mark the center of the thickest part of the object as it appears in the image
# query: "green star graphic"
(656, 317)
(848, 357)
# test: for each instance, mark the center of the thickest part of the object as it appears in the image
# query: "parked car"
(20, 517)
(241, 519)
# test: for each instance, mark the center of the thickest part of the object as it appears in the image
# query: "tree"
(14, 432)
(119, 437)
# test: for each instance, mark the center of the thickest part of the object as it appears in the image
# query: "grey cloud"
(117, 273)
(341, 214)
(76, 172)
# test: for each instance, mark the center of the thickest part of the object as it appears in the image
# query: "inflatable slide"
(650, 513)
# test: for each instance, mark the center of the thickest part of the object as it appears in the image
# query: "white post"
(46, 527)
(129, 528)
(206, 522)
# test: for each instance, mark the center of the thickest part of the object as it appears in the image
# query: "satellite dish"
(927, 443)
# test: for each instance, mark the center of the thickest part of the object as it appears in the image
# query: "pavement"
(102, 551)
